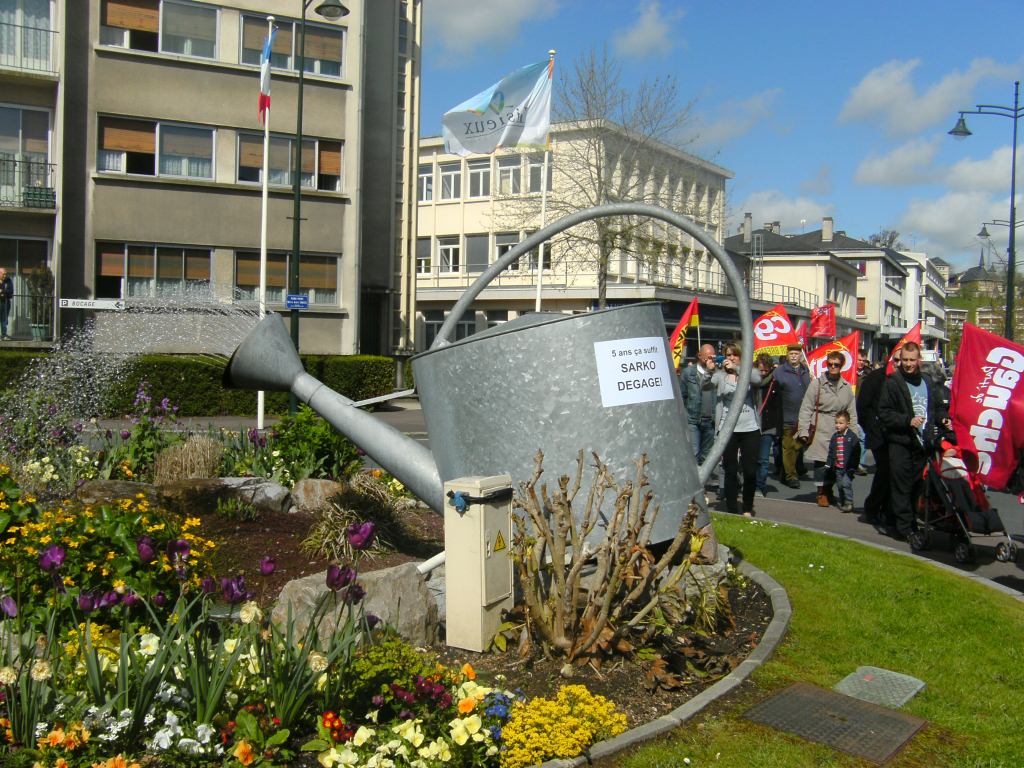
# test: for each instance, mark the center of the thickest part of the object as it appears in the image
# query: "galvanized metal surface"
(850, 725)
(493, 400)
(880, 686)
(696, 231)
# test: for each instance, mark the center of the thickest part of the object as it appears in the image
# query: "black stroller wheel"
(963, 552)
(918, 540)
(1005, 552)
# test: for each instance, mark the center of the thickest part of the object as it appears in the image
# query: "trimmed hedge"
(194, 383)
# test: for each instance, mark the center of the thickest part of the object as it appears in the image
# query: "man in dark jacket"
(791, 381)
(876, 505)
(910, 415)
(6, 296)
(699, 398)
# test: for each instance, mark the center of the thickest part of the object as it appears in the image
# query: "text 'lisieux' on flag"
(264, 103)
(515, 111)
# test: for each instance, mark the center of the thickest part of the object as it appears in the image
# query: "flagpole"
(261, 395)
(544, 198)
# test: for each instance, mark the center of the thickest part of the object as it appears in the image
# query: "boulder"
(706, 576)
(312, 495)
(398, 596)
(103, 491)
(198, 494)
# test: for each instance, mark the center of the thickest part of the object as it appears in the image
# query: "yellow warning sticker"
(499, 543)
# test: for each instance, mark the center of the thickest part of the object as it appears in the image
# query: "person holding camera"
(745, 441)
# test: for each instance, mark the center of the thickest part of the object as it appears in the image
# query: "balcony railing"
(30, 317)
(29, 49)
(26, 183)
(564, 276)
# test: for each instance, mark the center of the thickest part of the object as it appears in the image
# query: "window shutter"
(318, 272)
(323, 44)
(250, 151)
(186, 142)
(330, 158)
(197, 265)
(111, 259)
(127, 135)
(141, 15)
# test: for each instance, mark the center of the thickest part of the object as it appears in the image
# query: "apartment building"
(473, 210)
(159, 186)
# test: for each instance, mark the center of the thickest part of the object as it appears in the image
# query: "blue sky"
(819, 109)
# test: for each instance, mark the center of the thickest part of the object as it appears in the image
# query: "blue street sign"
(297, 301)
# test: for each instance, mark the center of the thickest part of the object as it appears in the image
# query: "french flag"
(264, 103)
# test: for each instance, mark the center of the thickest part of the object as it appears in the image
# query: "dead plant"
(198, 456)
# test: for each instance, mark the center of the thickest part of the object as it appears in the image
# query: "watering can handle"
(444, 336)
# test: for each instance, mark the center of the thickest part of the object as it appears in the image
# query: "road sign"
(297, 301)
(115, 304)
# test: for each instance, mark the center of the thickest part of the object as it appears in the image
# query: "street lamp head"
(984, 233)
(332, 9)
(960, 130)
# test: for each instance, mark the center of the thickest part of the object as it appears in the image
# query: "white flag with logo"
(515, 111)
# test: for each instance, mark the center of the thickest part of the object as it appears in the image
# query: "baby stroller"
(954, 503)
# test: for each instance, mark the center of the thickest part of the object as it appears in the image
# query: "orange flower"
(467, 670)
(53, 738)
(61, 763)
(118, 761)
(244, 753)
(467, 705)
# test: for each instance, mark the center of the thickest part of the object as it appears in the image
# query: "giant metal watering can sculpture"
(601, 382)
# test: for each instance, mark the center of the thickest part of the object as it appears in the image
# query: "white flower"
(230, 644)
(204, 733)
(149, 644)
(8, 676)
(162, 738)
(317, 662)
(362, 735)
(190, 746)
(250, 612)
(410, 731)
(41, 670)
(463, 728)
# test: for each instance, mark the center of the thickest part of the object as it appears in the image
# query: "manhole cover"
(841, 722)
(880, 686)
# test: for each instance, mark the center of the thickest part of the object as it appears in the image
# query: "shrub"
(359, 377)
(198, 456)
(571, 723)
(374, 669)
(310, 447)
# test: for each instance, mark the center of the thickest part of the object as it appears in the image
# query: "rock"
(202, 494)
(101, 491)
(398, 596)
(706, 576)
(311, 495)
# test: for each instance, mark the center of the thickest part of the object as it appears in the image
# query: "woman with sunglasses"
(745, 440)
(827, 395)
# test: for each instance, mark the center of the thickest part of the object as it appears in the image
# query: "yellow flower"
(463, 728)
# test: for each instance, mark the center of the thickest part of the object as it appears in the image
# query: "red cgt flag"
(914, 335)
(848, 346)
(988, 404)
(801, 333)
(677, 341)
(773, 332)
(823, 322)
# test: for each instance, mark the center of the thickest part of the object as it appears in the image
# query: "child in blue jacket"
(843, 460)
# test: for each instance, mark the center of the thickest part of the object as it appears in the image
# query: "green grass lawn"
(854, 605)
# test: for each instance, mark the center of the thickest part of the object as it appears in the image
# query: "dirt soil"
(242, 543)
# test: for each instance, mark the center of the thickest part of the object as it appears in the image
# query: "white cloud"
(887, 94)
(459, 27)
(910, 163)
(818, 184)
(773, 205)
(734, 119)
(946, 226)
(650, 35)
(991, 174)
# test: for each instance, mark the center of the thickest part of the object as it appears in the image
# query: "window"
(247, 276)
(189, 30)
(479, 177)
(451, 181)
(131, 24)
(509, 175)
(449, 253)
(321, 162)
(503, 243)
(477, 253)
(25, 34)
(131, 146)
(423, 255)
(318, 278)
(465, 325)
(531, 263)
(24, 151)
(325, 46)
(433, 319)
(536, 170)
(426, 184)
(496, 317)
(862, 306)
(147, 271)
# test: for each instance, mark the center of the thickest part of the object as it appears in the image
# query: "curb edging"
(782, 610)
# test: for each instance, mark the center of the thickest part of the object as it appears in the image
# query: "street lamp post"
(960, 131)
(330, 10)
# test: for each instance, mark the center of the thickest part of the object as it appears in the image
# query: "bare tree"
(887, 238)
(611, 141)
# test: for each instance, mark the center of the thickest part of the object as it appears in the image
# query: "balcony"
(27, 49)
(27, 183)
(30, 318)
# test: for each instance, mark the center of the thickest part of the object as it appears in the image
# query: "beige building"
(159, 188)
(473, 210)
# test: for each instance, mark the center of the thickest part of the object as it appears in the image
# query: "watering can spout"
(266, 359)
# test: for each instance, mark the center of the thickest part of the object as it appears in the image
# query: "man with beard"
(910, 415)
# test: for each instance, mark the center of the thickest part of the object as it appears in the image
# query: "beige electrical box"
(477, 568)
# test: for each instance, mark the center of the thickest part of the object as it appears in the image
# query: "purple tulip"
(146, 549)
(268, 565)
(339, 577)
(108, 434)
(52, 558)
(354, 594)
(129, 599)
(87, 602)
(178, 549)
(125, 434)
(372, 620)
(233, 590)
(8, 606)
(160, 599)
(108, 599)
(208, 585)
(360, 535)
